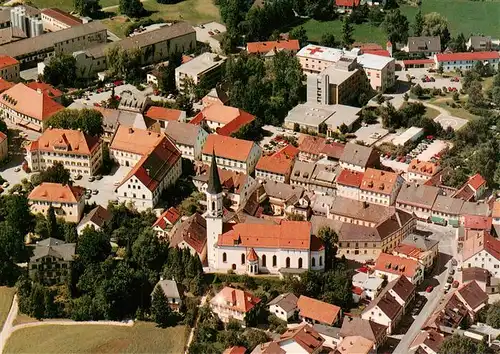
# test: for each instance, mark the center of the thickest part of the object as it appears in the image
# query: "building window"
(313, 262)
(224, 257)
(300, 263)
(274, 261)
(287, 262)
(263, 260)
(242, 258)
(320, 261)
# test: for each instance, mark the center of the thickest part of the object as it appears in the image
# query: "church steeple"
(214, 185)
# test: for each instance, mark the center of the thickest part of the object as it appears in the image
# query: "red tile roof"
(56, 192)
(350, 178)
(235, 350)
(153, 167)
(382, 53)
(171, 215)
(6, 61)
(478, 242)
(311, 144)
(408, 250)
(318, 310)
(476, 181)
(333, 150)
(252, 255)
(192, 231)
(425, 168)
(227, 147)
(396, 265)
(72, 141)
(305, 336)
(47, 89)
(347, 3)
(467, 56)
(25, 100)
(379, 181)
(477, 222)
(281, 162)
(5, 85)
(3, 136)
(236, 124)
(161, 113)
(235, 299)
(472, 295)
(266, 47)
(287, 235)
(418, 61)
(62, 16)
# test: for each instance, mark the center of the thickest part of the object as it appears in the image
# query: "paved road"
(447, 250)
(8, 325)
(191, 334)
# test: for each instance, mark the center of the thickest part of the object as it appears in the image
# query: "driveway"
(439, 83)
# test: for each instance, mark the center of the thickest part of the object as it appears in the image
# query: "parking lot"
(205, 33)
(438, 83)
(92, 98)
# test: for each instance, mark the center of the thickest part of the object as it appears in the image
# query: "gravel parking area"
(106, 186)
(203, 34)
(439, 83)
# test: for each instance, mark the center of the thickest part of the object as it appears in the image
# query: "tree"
(493, 315)
(476, 97)
(300, 34)
(52, 228)
(89, 8)
(376, 16)
(19, 216)
(149, 253)
(88, 121)
(131, 8)
(93, 246)
(12, 251)
(61, 70)
(458, 44)
(440, 69)
(457, 344)
(495, 95)
(160, 310)
(330, 240)
(418, 25)
(436, 25)
(54, 174)
(396, 26)
(124, 63)
(328, 40)
(347, 31)
(417, 90)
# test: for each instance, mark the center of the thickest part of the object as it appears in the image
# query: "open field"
(6, 296)
(143, 337)
(431, 112)
(362, 33)
(468, 17)
(192, 11)
(67, 5)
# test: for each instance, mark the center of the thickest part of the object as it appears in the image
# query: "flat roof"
(337, 76)
(313, 114)
(407, 135)
(47, 40)
(201, 63)
(372, 61)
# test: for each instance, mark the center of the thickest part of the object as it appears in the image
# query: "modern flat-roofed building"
(207, 67)
(156, 46)
(79, 153)
(32, 50)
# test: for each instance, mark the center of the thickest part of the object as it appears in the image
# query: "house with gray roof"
(358, 157)
(283, 306)
(282, 196)
(95, 219)
(417, 198)
(189, 138)
(480, 44)
(51, 260)
(355, 326)
(447, 210)
(423, 45)
(171, 291)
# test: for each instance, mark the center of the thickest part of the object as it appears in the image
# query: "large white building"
(482, 250)
(79, 153)
(207, 66)
(257, 248)
(466, 61)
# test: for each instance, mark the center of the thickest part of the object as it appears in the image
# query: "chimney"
(39, 90)
(130, 130)
(147, 171)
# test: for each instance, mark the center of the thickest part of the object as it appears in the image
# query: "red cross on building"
(315, 50)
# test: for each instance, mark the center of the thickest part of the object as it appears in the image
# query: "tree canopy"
(396, 26)
(131, 8)
(436, 25)
(89, 8)
(61, 70)
(88, 121)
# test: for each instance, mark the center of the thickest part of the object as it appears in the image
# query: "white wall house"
(466, 60)
(188, 138)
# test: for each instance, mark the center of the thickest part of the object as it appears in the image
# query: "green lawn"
(468, 17)
(143, 337)
(192, 11)
(67, 5)
(6, 296)
(431, 112)
(362, 33)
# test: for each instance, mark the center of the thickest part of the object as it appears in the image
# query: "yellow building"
(68, 201)
(79, 153)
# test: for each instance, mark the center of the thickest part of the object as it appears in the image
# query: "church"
(252, 248)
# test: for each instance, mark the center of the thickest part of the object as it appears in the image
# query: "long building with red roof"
(278, 166)
(466, 60)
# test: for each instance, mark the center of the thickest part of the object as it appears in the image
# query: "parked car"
(98, 177)
(455, 284)
(447, 287)
(452, 271)
(77, 177)
(95, 191)
(429, 288)
(17, 169)
(454, 262)
(91, 179)
(450, 279)
(5, 184)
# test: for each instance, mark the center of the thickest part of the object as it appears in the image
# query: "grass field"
(6, 296)
(468, 17)
(67, 5)
(431, 112)
(192, 11)
(142, 338)
(362, 33)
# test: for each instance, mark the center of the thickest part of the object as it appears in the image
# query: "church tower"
(214, 212)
